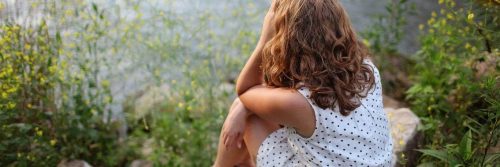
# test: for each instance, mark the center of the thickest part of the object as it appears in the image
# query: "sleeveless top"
(359, 139)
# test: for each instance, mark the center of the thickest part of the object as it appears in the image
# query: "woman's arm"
(283, 106)
(251, 74)
(234, 125)
(279, 105)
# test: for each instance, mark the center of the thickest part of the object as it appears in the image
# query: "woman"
(308, 95)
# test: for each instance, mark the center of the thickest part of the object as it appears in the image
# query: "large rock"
(141, 163)
(145, 102)
(404, 131)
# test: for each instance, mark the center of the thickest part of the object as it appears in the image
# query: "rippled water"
(130, 71)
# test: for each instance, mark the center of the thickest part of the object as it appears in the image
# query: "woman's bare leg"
(256, 132)
(230, 157)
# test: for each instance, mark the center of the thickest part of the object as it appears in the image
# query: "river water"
(226, 18)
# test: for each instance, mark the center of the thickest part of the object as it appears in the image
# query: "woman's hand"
(268, 27)
(234, 125)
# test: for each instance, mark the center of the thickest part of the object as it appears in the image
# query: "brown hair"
(315, 46)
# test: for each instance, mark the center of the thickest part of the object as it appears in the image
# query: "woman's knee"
(254, 120)
(255, 123)
(256, 132)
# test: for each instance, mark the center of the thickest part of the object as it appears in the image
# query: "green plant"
(52, 110)
(383, 38)
(182, 126)
(28, 67)
(386, 33)
(456, 84)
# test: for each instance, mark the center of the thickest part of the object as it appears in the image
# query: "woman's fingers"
(239, 140)
(229, 140)
(233, 140)
(224, 138)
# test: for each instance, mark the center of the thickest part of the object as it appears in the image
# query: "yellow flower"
(366, 42)
(443, 22)
(52, 69)
(156, 72)
(11, 105)
(470, 16)
(53, 142)
(421, 27)
(107, 99)
(42, 80)
(180, 105)
(441, 1)
(16, 28)
(68, 12)
(467, 45)
(449, 16)
(431, 21)
(39, 133)
(27, 46)
(12, 90)
(105, 83)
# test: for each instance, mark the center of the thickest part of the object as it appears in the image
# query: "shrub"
(456, 88)
(383, 38)
(51, 110)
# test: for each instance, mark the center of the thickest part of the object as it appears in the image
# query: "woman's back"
(360, 139)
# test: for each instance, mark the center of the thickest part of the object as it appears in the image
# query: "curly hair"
(315, 46)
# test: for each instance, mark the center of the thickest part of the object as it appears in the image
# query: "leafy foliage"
(46, 112)
(456, 83)
(90, 46)
(383, 39)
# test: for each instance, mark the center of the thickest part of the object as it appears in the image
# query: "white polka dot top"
(359, 139)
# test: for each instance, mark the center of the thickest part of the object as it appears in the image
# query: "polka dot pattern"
(360, 139)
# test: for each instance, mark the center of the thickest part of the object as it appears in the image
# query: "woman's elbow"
(239, 89)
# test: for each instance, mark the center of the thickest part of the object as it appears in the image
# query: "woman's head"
(315, 46)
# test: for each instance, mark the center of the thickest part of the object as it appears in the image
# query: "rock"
(404, 131)
(147, 147)
(151, 98)
(73, 163)
(390, 102)
(141, 163)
